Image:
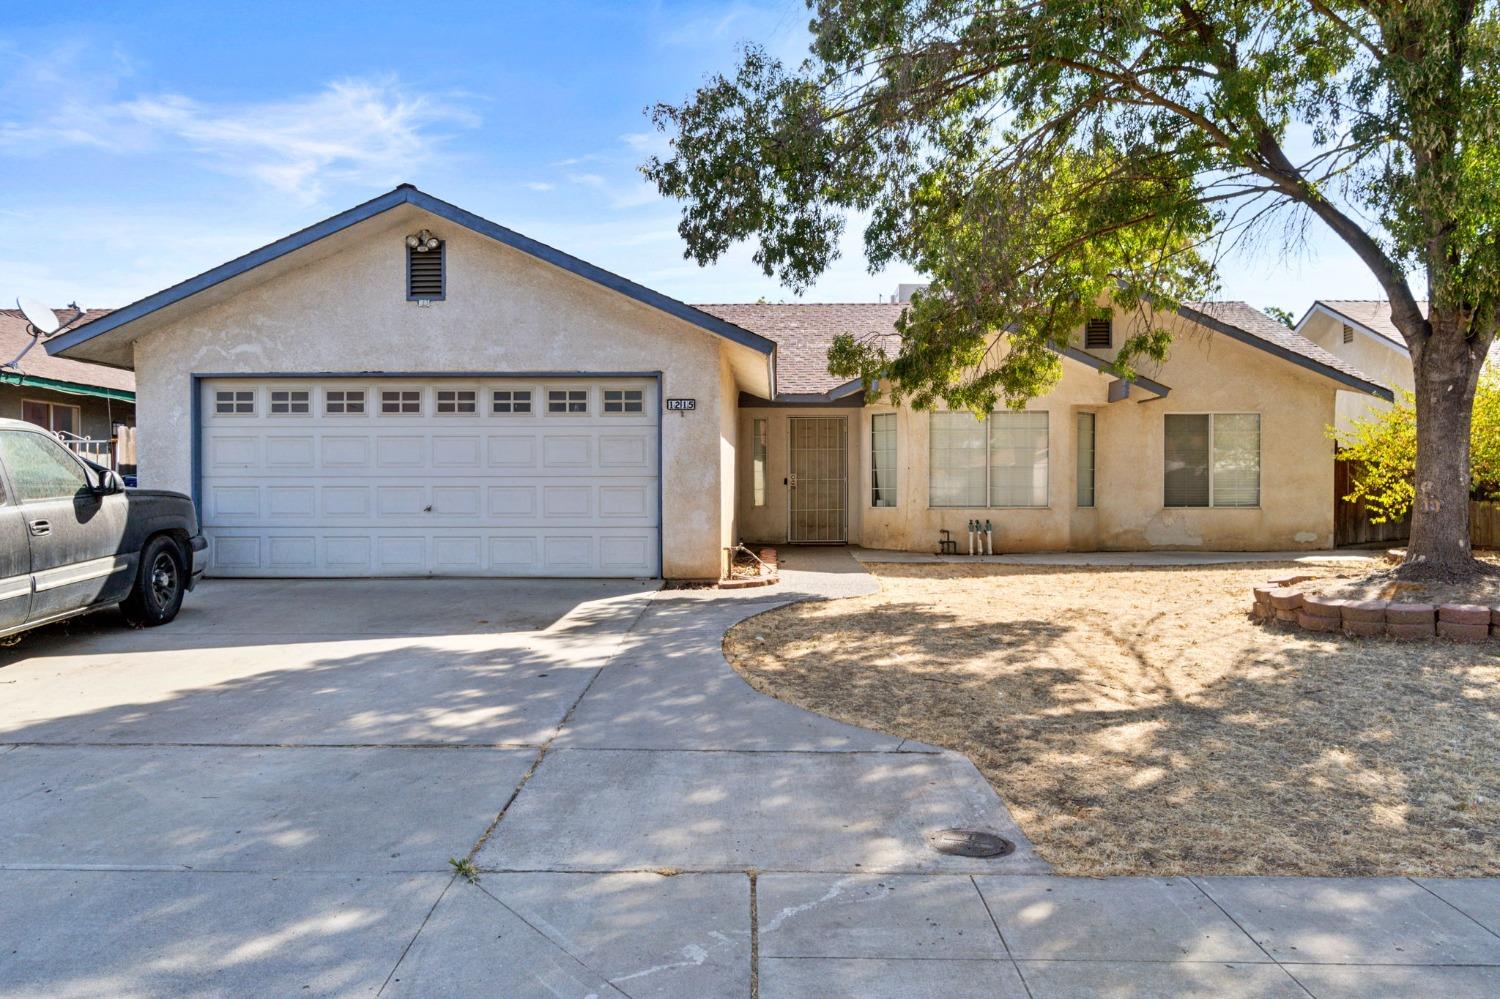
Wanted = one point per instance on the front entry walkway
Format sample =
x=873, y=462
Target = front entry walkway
x=264, y=798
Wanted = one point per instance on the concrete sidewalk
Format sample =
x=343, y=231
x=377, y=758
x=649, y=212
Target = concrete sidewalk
x=1152, y=559
x=269, y=808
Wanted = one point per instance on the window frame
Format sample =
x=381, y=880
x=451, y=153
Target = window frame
x=437, y=401
x=1260, y=455
x=568, y=401
x=623, y=402
x=988, y=451
x=877, y=490
x=530, y=400
x=760, y=456
x=421, y=409
x=271, y=393
x=236, y=402
x=1093, y=453
x=364, y=402
x=52, y=407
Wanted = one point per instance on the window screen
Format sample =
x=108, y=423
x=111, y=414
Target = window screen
x=956, y=474
x=1236, y=474
x=1018, y=459
x=883, y=459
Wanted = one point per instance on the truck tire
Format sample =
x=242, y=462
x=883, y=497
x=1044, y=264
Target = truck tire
x=160, y=584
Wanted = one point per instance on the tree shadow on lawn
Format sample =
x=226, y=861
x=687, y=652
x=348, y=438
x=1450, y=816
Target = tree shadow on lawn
x=1144, y=743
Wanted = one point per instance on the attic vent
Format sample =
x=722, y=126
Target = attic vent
x=1099, y=333
x=424, y=272
x=1348, y=333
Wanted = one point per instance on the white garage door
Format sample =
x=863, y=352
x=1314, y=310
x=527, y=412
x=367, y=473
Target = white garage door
x=417, y=477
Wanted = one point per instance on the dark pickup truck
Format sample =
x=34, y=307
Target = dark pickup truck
x=73, y=540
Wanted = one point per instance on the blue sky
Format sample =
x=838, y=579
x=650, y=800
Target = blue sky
x=142, y=143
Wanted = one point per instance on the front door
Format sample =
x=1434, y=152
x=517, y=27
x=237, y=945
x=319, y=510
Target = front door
x=75, y=535
x=818, y=483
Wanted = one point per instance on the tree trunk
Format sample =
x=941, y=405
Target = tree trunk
x=1447, y=373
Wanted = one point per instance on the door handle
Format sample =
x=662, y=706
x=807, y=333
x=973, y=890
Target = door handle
x=40, y=528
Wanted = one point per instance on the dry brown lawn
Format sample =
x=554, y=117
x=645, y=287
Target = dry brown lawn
x=1136, y=721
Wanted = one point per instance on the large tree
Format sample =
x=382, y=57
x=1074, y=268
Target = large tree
x=1033, y=157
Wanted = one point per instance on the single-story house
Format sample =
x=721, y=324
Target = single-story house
x=82, y=403
x=409, y=389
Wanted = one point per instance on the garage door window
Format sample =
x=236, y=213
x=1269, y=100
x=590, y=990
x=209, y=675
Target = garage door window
x=568, y=401
x=401, y=402
x=624, y=401
x=456, y=401
x=512, y=401
x=234, y=403
x=288, y=403
x=338, y=402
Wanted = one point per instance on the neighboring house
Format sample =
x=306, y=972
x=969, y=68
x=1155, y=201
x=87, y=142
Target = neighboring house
x=1360, y=331
x=343, y=404
x=80, y=402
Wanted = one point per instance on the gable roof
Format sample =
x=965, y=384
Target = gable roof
x=804, y=332
x=1247, y=324
x=43, y=370
x=1373, y=315
x=406, y=194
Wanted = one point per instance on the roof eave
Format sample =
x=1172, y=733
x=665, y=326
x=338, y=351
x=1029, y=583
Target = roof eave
x=1276, y=350
x=406, y=194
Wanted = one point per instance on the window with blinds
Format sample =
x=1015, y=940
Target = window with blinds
x=1212, y=460
x=997, y=462
x=883, y=459
x=425, y=277
x=1086, y=424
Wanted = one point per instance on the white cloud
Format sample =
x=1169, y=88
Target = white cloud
x=539, y=185
x=369, y=132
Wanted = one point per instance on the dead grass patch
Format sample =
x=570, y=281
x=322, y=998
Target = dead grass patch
x=1136, y=721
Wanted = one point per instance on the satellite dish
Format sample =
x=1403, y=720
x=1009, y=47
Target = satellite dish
x=41, y=318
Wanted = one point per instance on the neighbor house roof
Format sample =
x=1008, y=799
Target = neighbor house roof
x=406, y=194
x=61, y=374
x=1372, y=314
x=804, y=332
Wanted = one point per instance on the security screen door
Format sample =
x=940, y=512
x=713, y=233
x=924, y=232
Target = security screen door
x=818, y=486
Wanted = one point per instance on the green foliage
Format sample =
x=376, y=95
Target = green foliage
x=1385, y=450
x=1035, y=158
x=1281, y=315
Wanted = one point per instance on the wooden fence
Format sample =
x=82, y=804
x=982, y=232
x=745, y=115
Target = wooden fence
x=1351, y=521
x=1484, y=524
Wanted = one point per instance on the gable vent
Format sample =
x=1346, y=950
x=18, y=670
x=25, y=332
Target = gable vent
x=1348, y=333
x=1099, y=334
x=424, y=272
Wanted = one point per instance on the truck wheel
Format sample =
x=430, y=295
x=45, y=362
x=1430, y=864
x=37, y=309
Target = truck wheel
x=159, y=585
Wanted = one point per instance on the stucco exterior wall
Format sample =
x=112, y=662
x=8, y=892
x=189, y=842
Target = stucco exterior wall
x=505, y=311
x=1376, y=357
x=1207, y=373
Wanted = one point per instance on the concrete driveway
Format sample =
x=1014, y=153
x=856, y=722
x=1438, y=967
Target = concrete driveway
x=263, y=798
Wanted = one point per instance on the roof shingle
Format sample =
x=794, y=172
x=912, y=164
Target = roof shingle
x=40, y=364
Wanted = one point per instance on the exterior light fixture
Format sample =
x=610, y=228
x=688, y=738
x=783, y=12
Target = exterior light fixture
x=422, y=241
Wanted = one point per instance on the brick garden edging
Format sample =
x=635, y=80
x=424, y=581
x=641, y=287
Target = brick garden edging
x=1279, y=602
